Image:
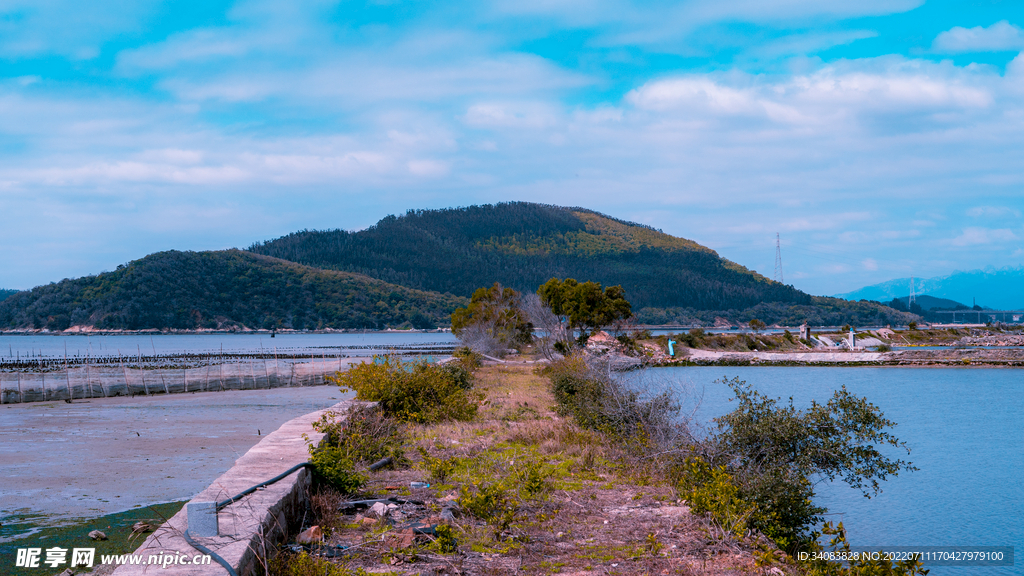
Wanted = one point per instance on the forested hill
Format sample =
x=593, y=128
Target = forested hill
x=5, y=293
x=522, y=245
x=224, y=289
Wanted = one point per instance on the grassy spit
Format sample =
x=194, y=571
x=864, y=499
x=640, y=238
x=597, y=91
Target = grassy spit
x=529, y=493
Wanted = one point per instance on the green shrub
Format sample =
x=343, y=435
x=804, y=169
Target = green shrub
x=362, y=438
x=773, y=452
x=440, y=469
x=418, y=392
x=305, y=565
x=445, y=543
x=492, y=502
x=710, y=490
x=861, y=565
x=470, y=360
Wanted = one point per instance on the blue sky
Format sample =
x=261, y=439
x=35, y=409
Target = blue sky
x=880, y=139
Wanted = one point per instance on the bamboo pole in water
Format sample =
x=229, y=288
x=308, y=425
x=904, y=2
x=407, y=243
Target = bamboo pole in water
x=127, y=384
x=142, y=371
x=21, y=395
x=67, y=373
x=222, y=367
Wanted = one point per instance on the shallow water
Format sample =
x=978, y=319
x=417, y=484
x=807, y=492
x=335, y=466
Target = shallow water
x=963, y=426
x=55, y=346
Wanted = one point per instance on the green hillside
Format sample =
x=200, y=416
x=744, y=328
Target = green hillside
x=5, y=293
x=522, y=245
x=189, y=290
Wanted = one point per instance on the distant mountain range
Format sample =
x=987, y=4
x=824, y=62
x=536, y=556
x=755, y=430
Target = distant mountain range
x=999, y=289
x=414, y=270
x=927, y=302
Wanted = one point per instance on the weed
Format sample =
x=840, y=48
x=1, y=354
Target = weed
x=364, y=437
x=445, y=543
x=440, y=468
x=420, y=392
x=305, y=565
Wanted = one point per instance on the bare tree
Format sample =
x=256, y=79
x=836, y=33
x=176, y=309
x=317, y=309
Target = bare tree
x=550, y=328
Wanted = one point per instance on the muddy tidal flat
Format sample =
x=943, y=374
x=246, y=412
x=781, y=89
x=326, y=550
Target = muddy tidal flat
x=63, y=461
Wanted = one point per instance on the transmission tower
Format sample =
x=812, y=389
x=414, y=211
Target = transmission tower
x=913, y=296
x=778, y=260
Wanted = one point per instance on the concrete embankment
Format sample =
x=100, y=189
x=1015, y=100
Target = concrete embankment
x=944, y=357
x=251, y=526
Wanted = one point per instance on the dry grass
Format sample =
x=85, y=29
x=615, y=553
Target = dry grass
x=597, y=512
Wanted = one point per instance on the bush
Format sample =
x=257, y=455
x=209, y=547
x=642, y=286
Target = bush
x=598, y=402
x=711, y=490
x=773, y=452
x=364, y=437
x=417, y=392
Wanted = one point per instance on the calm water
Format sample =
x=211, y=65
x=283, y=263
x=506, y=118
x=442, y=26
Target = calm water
x=82, y=345
x=963, y=425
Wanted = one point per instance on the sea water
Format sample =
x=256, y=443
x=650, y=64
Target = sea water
x=55, y=346
x=964, y=427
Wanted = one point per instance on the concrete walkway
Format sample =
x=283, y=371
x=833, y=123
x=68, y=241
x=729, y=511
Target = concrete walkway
x=252, y=525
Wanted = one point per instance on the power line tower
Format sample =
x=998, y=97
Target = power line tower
x=913, y=296
x=778, y=260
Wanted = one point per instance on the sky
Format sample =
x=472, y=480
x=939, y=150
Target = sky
x=879, y=139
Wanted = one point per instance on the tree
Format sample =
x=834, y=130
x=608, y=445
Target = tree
x=757, y=325
x=898, y=304
x=584, y=307
x=493, y=322
x=776, y=453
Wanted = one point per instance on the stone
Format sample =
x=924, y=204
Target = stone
x=447, y=515
x=140, y=527
x=402, y=539
x=310, y=535
x=379, y=510
x=367, y=521
x=67, y=572
x=202, y=518
x=97, y=535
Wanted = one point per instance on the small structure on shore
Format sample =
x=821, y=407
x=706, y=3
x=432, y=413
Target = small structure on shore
x=805, y=331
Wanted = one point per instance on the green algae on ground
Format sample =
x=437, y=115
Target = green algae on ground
x=26, y=531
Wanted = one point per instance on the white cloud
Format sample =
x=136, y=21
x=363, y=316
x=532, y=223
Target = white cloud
x=974, y=236
x=993, y=212
x=869, y=264
x=68, y=27
x=999, y=37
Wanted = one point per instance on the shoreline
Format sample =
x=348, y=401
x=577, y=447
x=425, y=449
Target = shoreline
x=951, y=358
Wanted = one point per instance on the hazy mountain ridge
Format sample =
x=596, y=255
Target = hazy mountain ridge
x=1000, y=289
x=223, y=289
